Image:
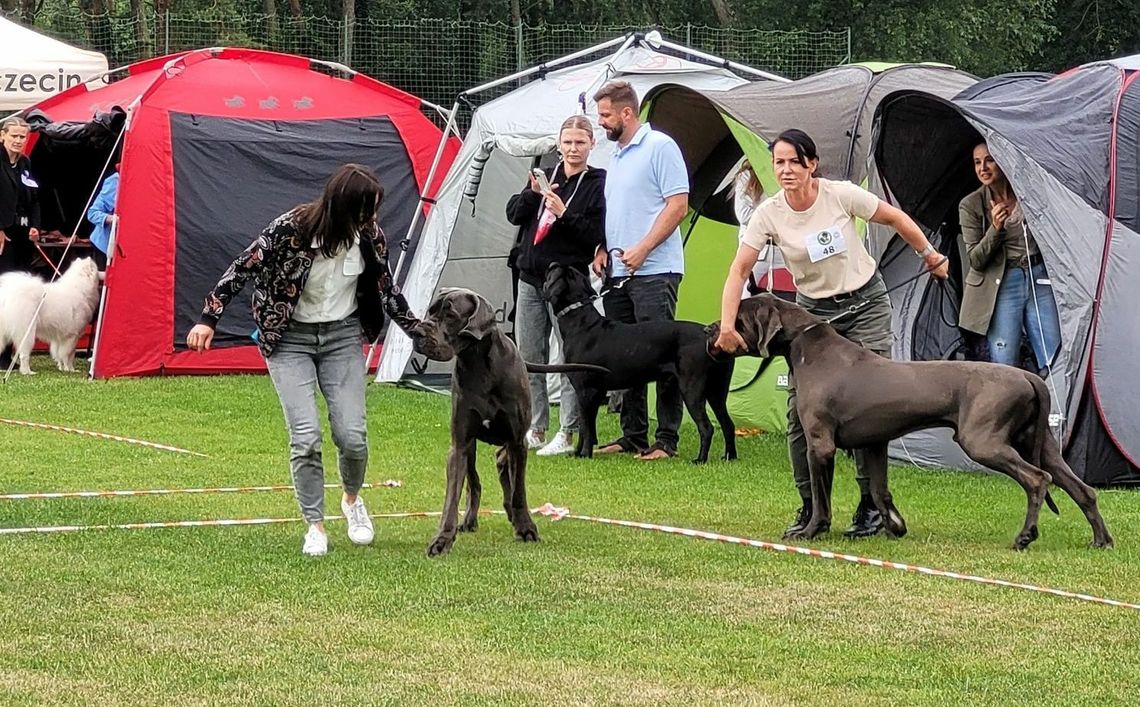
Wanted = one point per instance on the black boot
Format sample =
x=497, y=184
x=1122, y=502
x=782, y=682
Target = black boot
x=802, y=518
x=866, y=522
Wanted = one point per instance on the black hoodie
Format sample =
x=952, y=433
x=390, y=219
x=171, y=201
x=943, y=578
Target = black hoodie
x=573, y=238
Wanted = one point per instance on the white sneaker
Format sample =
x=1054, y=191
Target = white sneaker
x=316, y=543
x=359, y=524
x=534, y=439
x=562, y=443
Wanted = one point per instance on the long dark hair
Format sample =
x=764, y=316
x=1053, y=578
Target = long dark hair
x=347, y=206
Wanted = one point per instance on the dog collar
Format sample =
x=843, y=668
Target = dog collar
x=571, y=308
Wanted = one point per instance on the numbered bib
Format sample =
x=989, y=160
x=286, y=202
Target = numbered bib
x=825, y=244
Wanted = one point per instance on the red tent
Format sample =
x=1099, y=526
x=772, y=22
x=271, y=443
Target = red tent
x=217, y=143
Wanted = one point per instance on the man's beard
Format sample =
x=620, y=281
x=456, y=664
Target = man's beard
x=614, y=134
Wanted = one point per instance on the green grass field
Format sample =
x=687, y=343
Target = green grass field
x=591, y=615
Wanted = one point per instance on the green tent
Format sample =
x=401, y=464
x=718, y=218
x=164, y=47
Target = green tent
x=716, y=130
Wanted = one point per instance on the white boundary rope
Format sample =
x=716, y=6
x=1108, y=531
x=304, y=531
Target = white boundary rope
x=390, y=483
x=101, y=435
x=201, y=523
x=557, y=513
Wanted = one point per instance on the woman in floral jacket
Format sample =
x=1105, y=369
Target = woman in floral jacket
x=321, y=282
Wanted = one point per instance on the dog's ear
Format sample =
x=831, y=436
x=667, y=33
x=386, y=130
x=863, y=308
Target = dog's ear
x=482, y=318
x=768, y=329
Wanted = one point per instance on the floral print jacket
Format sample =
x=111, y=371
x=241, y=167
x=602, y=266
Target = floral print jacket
x=279, y=262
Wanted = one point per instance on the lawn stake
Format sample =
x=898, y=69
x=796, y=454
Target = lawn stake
x=556, y=513
x=100, y=435
x=390, y=483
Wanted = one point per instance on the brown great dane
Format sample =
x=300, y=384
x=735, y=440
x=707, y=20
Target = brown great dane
x=851, y=398
x=490, y=403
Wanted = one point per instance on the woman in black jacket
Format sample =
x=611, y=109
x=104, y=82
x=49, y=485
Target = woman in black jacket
x=565, y=224
x=19, y=207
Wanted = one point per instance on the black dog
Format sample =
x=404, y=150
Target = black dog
x=490, y=402
x=637, y=354
x=851, y=398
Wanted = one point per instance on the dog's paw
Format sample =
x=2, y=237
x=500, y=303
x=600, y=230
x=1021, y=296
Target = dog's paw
x=527, y=534
x=28, y=372
x=1022, y=541
x=700, y=460
x=1105, y=543
x=894, y=524
x=469, y=526
x=729, y=456
x=441, y=545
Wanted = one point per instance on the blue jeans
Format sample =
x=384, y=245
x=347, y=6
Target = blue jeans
x=534, y=321
x=328, y=356
x=1018, y=309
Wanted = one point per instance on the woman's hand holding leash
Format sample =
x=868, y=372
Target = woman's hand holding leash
x=601, y=261
x=937, y=264
x=729, y=341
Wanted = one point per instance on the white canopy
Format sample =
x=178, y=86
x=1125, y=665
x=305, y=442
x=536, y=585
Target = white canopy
x=33, y=67
x=466, y=240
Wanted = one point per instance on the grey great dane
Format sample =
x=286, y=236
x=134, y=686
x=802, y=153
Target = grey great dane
x=850, y=398
x=490, y=402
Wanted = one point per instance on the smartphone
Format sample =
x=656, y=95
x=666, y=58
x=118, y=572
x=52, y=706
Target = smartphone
x=540, y=177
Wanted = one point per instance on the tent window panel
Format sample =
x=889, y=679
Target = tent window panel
x=232, y=177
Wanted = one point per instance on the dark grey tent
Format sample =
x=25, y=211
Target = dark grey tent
x=1070, y=146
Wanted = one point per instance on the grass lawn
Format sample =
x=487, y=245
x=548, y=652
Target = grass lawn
x=591, y=615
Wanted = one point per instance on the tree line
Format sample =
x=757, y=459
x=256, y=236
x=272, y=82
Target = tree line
x=980, y=36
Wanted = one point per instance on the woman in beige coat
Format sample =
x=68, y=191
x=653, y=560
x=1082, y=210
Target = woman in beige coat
x=1008, y=290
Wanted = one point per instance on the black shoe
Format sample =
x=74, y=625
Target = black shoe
x=802, y=518
x=866, y=522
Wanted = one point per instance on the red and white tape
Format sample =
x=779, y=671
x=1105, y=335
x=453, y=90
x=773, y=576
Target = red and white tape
x=100, y=435
x=43, y=530
x=390, y=483
x=556, y=513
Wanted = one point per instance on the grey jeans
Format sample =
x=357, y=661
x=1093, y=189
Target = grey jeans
x=534, y=322
x=328, y=356
x=869, y=326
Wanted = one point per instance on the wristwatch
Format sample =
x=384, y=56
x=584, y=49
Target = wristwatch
x=929, y=250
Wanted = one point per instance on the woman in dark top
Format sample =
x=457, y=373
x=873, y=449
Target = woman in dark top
x=565, y=225
x=321, y=282
x=19, y=206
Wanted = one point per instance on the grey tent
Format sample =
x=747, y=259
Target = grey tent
x=716, y=129
x=1070, y=146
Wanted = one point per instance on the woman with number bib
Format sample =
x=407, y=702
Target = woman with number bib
x=812, y=221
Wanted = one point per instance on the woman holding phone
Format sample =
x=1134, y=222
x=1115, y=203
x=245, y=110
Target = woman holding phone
x=563, y=221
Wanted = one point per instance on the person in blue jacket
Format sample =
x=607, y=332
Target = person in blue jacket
x=102, y=215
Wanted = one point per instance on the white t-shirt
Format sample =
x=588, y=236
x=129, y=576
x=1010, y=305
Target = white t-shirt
x=330, y=290
x=820, y=246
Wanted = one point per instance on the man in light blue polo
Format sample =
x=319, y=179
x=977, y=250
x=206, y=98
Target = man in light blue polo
x=647, y=195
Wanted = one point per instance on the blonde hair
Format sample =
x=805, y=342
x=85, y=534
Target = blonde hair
x=579, y=122
x=754, y=188
x=13, y=122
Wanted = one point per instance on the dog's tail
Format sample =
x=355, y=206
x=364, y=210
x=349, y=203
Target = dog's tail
x=564, y=368
x=1041, y=428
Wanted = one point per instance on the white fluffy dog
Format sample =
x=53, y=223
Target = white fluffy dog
x=68, y=305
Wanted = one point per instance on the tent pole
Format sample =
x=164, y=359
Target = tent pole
x=427, y=186
x=548, y=65
x=722, y=62
x=111, y=240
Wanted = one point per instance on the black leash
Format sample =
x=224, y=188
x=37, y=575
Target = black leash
x=864, y=301
x=613, y=253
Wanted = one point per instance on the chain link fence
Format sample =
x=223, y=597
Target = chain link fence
x=433, y=59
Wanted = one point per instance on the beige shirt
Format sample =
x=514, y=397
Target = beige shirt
x=330, y=291
x=820, y=246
